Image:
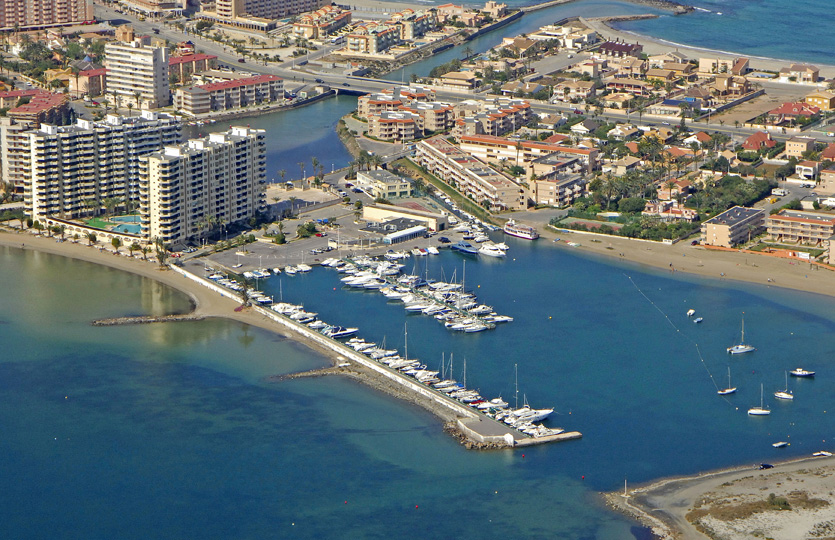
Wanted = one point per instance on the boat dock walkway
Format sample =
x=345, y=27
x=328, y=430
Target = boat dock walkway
x=477, y=427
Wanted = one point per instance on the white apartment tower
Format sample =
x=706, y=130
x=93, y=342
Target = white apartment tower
x=138, y=74
x=218, y=179
x=74, y=169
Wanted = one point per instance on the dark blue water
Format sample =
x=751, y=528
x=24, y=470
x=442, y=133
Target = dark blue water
x=761, y=28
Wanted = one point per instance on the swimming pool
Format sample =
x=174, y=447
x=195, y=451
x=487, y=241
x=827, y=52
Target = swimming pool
x=128, y=229
x=134, y=218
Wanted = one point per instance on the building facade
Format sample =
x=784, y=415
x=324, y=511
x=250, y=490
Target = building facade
x=470, y=176
x=31, y=14
x=798, y=227
x=733, y=226
x=384, y=185
x=138, y=74
x=216, y=179
x=72, y=170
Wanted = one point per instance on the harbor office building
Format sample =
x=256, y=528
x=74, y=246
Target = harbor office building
x=384, y=185
x=733, y=226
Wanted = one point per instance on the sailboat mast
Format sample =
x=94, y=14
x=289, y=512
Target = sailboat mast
x=516, y=371
x=406, y=341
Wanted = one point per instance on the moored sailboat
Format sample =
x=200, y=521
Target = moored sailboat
x=761, y=410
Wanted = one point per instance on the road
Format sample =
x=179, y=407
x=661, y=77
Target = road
x=286, y=71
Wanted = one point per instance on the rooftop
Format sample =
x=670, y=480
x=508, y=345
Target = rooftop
x=735, y=216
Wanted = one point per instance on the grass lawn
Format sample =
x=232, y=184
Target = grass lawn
x=99, y=223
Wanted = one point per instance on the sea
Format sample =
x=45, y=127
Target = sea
x=178, y=431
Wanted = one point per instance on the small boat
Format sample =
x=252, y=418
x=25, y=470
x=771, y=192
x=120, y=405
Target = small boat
x=781, y=444
x=465, y=247
x=742, y=347
x=822, y=453
x=800, y=372
x=785, y=394
x=730, y=389
x=691, y=312
x=761, y=410
x=697, y=320
x=491, y=251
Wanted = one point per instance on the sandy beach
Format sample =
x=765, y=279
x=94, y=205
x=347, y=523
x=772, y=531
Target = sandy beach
x=737, y=504
x=658, y=46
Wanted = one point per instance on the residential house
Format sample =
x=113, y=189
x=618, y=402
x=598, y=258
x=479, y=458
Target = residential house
x=760, y=140
x=700, y=138
x=457, y=80
x=631, y=86
x=797, y=146
x=791, y=112
x=682, y=70
x=661, y=75
x=513, y=88
x=573, y=90
x=629, y=67
x=495, y=10
x=586, y=127
x=624, y=165
x=799, y=73
x=730, y=86
x=823, y=100
x=807, y=170
x=715, y=66
x=668, y=192
x=658, y=60
x=619, y=49
x=669, y=211
x=826, y=185
x=828, y=153
x=623, y=132
x=617, y=100
x=551, y=121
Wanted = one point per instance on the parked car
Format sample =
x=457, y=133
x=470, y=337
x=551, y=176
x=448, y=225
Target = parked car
x=319, y=80
x=444, y=240
x=694, y=243
x=345, y=84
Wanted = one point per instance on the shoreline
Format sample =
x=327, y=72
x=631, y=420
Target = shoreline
x=662, y=505
x=656, y=45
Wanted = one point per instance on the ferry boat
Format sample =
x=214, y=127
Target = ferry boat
x=521, y=231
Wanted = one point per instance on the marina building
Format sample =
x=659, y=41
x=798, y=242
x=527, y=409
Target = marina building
x=382, y=184
x=138, y=74
x=219, y=179
x=798, y=227
x=733, y=226
x=387, y=212
x=470, y=176
x=72, y=170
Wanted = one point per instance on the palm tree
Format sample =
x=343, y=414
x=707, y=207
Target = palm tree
x=161, y=252
x=134, y=247
x=136, y=95
x=145, y=250
x=91, y=238
x=117, y=243
x=130, y=109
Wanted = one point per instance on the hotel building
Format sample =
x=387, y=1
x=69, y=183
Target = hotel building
x=184, y=187
x=32, y=14
x=798, y=227
x=73, y=169
x=138, y=74
x=732, y=226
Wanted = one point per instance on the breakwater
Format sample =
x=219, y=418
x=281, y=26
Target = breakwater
x=117, y=321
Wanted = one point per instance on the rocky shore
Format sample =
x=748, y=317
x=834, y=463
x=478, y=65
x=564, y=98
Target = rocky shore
x=145, y=320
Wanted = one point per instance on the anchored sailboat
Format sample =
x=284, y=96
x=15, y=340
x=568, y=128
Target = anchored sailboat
x=730, y=389
x=742, y=347
x=761, y=410
x=785, y=394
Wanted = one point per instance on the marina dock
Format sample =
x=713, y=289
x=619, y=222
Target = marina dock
x=478, y=428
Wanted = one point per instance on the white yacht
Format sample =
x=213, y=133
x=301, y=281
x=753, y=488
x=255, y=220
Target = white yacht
x=490, y=250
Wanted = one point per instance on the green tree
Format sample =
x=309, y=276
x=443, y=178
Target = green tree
x=117, y=243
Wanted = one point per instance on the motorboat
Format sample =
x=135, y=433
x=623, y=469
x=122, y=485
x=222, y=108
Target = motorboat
x=465, y=247
x=822, y=453
x=691, y=312
x=490, y=250
x=781, y=444
x=742, y=347
x=800, y=372
x=337, y=332
x=697, y=320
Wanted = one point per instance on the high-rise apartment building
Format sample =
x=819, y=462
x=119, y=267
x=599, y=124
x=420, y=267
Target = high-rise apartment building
x=138, y=74
x=216, y=180
x=264, y=9
x=72, y=170
x=26, y=14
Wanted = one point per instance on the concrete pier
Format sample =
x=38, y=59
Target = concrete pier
x=482, y=430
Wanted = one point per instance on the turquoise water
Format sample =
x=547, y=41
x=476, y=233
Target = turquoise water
x=172, y=430
x=128, y=228
x=133, y=218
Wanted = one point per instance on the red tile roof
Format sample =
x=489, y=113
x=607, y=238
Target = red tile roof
x=174, y=60
x=237, y=83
